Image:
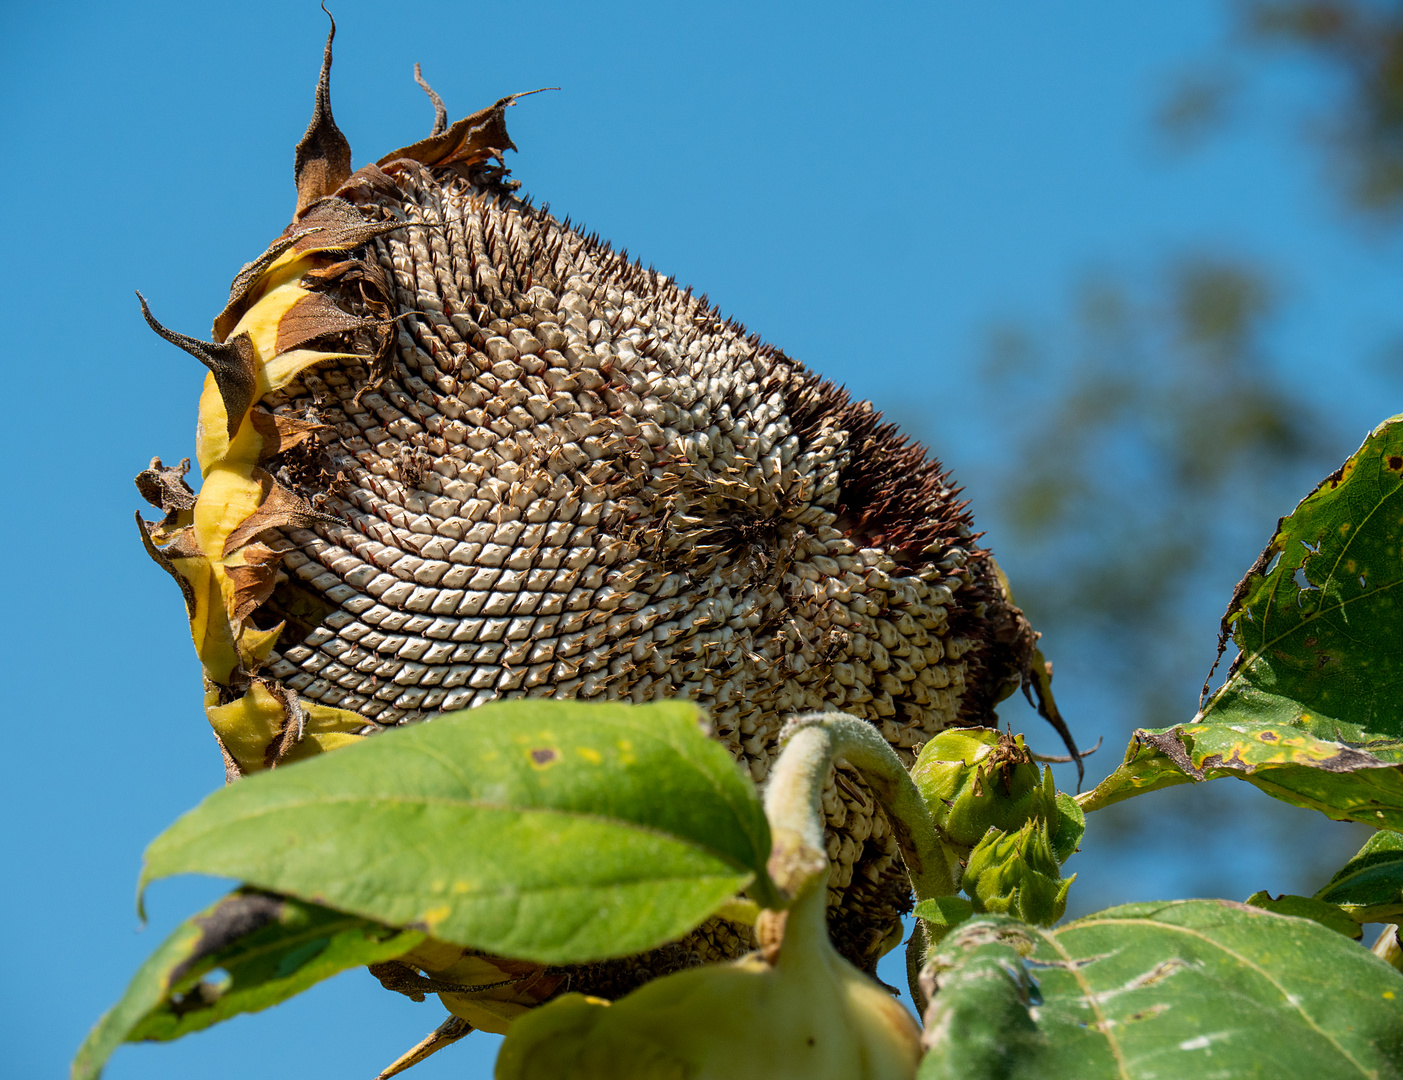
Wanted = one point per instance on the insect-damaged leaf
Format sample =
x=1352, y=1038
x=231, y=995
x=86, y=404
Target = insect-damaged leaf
x=269, y=948
x=552, y=831
x=1174, y=991
x=1312, y=709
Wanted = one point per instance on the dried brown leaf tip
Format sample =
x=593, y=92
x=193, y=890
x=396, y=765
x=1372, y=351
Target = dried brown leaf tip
x=440, y=111
x=294, y=724
x=281, y=433
x=166, y=489
x=470, y=141
x=161, y=559
x=315, y=316
x=254, y=581
x=279, y=509
x=333, y=224
x=232, y=363
x=322, y=162
x=243, y=283
x=446, y=1034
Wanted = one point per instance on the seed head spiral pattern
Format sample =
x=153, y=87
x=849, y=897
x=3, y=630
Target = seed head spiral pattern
x=475, y=453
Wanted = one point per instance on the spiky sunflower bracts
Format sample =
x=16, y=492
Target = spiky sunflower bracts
x=455, y=450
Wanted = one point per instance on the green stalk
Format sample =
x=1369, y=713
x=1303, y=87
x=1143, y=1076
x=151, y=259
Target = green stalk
x=793, y=802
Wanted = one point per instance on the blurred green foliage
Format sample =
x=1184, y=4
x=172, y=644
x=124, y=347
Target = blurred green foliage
x=1157, y=441
x=1362, y=43
x=1357, y=45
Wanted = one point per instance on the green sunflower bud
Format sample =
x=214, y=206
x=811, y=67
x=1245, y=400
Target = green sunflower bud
x=1016, y=873
x=977, y=779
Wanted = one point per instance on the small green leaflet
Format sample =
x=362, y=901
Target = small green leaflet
x=943, y=912
x=1308, y=907
x=270, y=948
x=1069, y=827
x=554, y=831
x=1370, y=886
x=1312, y=709
x=1169, y=991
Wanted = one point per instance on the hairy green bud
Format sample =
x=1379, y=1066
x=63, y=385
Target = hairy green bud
x=1016, y=873
x=977, y=779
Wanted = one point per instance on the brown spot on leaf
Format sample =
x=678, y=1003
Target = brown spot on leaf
x=231, y=363
x=1395, y=463
x=1171, y=744
x=322, y=162
x=236, y=917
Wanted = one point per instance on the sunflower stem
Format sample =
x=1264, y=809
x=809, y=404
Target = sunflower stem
x=812, y=744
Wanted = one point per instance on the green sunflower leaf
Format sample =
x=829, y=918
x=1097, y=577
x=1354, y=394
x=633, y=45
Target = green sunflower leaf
x=554, y=831
x=1161, y=991
x=1311, y=711
x=268, y=947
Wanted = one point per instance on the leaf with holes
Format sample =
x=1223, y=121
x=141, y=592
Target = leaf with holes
x=270, y=948
x=1312, y=708
x=1170, y=991
x=554, y=831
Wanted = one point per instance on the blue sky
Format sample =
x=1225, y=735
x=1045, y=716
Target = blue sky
x=869, y=187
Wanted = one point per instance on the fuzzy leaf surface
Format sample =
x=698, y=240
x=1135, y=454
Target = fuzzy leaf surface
x=1312, y=709
x=269, y=947
x=1170, y=991
x=554, y=831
